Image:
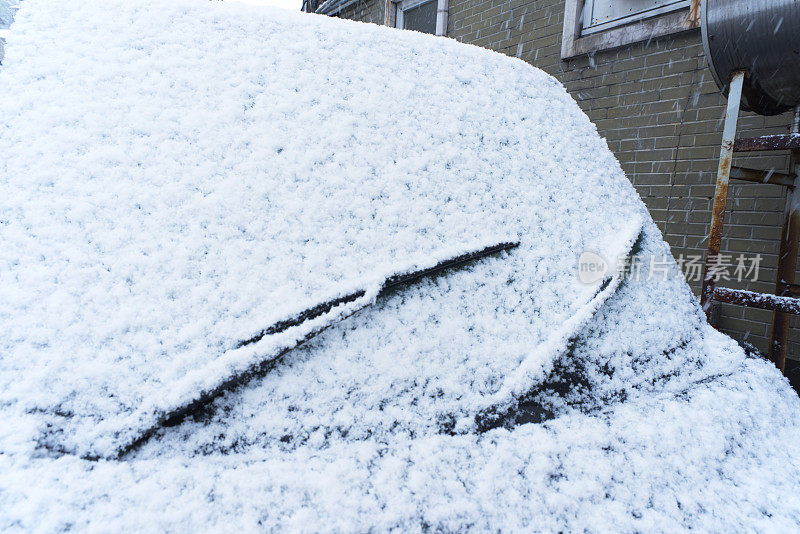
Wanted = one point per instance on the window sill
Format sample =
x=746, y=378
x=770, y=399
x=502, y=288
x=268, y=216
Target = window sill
x=573, y=45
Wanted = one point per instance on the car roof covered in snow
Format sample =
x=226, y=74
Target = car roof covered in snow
x=178, y=176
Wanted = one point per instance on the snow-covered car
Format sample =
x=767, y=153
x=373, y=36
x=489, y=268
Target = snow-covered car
x=263, y=270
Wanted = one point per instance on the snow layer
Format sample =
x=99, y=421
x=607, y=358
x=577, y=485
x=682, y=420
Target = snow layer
x=721, y=457
x=209, y=170
x=179, y=175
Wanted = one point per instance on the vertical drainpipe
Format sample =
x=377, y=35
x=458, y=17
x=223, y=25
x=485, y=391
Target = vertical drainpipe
x=388, y=13
x=721, y=193
x=441, y=16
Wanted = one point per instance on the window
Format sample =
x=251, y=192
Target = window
x=599, y=15
x=593, y=25
x=419, y=15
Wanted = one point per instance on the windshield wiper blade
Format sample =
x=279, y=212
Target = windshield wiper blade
x=177, y=415
x=390, y=283
x=504, y=406
x=303, y=316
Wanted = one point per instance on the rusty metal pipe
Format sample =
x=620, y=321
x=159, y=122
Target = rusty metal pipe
x=763, y=301
x=767, y=142
x=721, y=190
x=787, y=257
x=762, y=177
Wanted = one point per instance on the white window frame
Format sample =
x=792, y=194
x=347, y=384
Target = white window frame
x=628, y=30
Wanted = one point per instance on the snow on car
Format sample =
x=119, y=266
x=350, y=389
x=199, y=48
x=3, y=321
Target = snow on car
x=266, y=269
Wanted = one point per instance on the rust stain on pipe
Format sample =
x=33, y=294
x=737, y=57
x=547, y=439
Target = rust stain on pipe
x=720, y=199
x=721, y=191
x=715, y=233
x=694, y=14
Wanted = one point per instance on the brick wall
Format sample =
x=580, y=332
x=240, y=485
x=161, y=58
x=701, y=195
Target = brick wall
x=657, y=106
x=365, y=11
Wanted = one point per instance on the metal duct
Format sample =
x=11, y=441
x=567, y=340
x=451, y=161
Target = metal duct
x=761, y=37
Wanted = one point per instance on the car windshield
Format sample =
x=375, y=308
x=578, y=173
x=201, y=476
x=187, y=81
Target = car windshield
x=428, y=291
